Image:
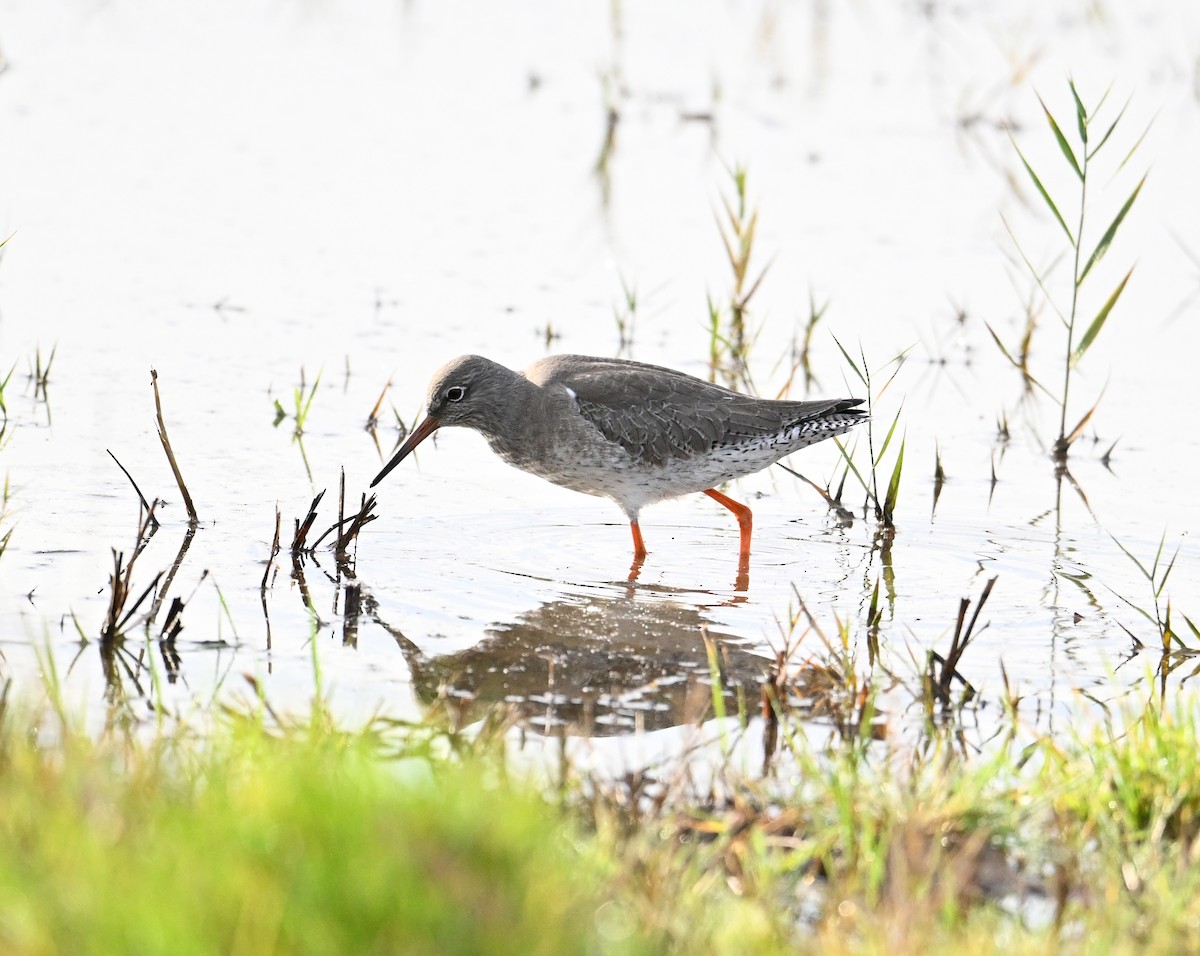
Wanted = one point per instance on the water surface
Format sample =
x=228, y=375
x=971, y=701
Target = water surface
x=245, y=195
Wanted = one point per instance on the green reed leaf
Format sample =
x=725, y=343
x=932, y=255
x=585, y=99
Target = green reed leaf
x=1134, y=148
x=714, y=674
x=1062, y=140
x=1132, y=557
x=1194, y=629
x=873, y=612
x=1081, y=117
x=1000, y=345
x=891, y=431
x=1045, y=195
x=1109, y=131
x=1098, y=322
x=849, y=361
x=1111, y=231
x=1077, y=431
x=852, y=468
x=893, y=492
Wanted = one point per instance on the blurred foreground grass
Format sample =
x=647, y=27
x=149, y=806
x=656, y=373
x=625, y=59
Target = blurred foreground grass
x=257, y=838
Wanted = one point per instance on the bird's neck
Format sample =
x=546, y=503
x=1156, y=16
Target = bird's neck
x=506, y=420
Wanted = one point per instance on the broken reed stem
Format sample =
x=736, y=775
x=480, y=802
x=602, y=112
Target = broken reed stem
x=121, y=582
x=958, y=646
x=119, y=585
x=174, y=622
x=274, y=552
x=175, y=566
x=302, y=529
x=166, y=443
x=356, y=523
x=339, y=551
x=136, y=489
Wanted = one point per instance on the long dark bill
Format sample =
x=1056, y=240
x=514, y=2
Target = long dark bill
x=415, y=437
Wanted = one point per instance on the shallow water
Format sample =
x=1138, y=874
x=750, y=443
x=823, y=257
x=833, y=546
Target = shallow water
x=235, y=194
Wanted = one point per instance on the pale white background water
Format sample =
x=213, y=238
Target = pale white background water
x=233, y=192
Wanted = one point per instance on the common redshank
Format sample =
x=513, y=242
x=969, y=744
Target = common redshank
x=628, y=431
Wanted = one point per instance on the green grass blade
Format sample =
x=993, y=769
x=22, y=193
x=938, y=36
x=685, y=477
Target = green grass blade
x=1162, y=543
x=714, y=675
x=893, y=492
x=1111, y=231
x=1000, y=345
x=45, y=376
x=1080, y=113
x=849, y=361
x=1141, y=610
x=1169, y=635
x=1039, y=276
x=884, y=447
x=3, y=385
x=1017, y=365
x=1109, y=131
x=898, y=361
x=1195, y=631
x=1167, y=573
x=1134, y=148
x=1078, y=430
x=1098, y=322
x=1045, y=195
x=1062, y=140
x=853, y=468
x=1130, y=555
x=303, y=405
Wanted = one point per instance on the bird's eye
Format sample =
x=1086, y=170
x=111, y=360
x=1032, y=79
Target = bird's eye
x=456, y=393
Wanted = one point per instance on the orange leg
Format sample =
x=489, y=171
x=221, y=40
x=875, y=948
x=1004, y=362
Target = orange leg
x=639, y=546
x=743, y=515
x=639, y=553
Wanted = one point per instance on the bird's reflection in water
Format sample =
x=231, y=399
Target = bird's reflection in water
x=592, y=666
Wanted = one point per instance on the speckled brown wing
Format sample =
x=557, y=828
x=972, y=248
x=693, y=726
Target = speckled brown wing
x=658, y=414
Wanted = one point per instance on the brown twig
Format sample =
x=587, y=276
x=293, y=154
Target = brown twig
x=175, y=565
x=166, y=443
